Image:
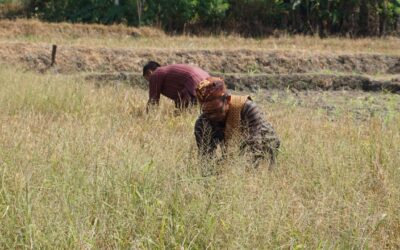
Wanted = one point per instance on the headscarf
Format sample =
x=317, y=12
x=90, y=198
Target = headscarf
x=210, y=89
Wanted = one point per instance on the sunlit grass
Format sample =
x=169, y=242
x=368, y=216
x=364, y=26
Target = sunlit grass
x=299, y=44
x=84, y=167
x=119, y=36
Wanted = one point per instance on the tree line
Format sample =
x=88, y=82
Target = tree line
x=353, y=18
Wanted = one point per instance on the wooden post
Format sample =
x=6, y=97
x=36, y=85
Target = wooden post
x=53, y=55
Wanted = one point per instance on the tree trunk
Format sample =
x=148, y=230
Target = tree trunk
x=374, y=18
x=363, y=22
x=383, y=19
x=139, y=5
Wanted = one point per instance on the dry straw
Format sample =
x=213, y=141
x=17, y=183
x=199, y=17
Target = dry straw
x=84, y=167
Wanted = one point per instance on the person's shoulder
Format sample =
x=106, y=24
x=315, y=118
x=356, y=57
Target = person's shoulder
x=250, y=107
x=201, y=122
x=201, y=118
x=248, y=98
x=249, y=102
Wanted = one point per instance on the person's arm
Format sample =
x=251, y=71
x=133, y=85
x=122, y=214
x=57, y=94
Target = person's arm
x=155, y=87
x=261, y=137
x=205, y=138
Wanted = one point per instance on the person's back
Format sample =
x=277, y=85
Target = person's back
x=177, y=82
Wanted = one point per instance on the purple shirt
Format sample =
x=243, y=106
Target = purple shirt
x=176, y=81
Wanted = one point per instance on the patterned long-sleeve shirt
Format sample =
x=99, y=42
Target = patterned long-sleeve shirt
x=259, y=137
x=176, y=81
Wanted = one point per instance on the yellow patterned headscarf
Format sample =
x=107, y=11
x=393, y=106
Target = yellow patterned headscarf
x=210, y=89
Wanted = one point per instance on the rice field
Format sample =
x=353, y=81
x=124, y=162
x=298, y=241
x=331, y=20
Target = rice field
x=83, y=167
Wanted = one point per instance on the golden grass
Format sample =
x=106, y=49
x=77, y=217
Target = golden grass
x=119, y=36
x=32, y=27
x=83, y=167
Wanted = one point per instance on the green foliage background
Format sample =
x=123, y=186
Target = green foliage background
x=248, y=17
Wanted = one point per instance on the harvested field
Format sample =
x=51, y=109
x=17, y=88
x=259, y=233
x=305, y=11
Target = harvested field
x=253, y=83
x=72, y=59
x=298, y=62
x=254, y=69
x=150, y=38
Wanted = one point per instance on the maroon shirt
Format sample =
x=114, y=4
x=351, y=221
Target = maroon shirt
x=176, y=81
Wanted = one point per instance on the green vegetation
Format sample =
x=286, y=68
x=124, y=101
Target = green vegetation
x=83, y=167
x=255, y=17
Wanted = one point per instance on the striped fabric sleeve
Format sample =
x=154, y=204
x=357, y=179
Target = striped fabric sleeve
x=155, y=87
x=203, y=133
x=260, y=136
x=207, y=137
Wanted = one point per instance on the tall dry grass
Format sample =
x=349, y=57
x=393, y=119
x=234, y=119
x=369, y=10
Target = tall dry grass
x=84, y=167
x=119, y=36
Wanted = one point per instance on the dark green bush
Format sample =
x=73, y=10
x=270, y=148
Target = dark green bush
x=248, y=17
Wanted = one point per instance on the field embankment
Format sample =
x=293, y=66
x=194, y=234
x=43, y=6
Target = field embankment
x=72, y=59
x=244, y=69
x=283, y=62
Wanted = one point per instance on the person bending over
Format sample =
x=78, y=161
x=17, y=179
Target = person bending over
x=175, y=81
x=227, y=120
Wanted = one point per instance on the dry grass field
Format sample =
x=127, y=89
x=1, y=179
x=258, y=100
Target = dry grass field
x=117, y=36
x=83, y=167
